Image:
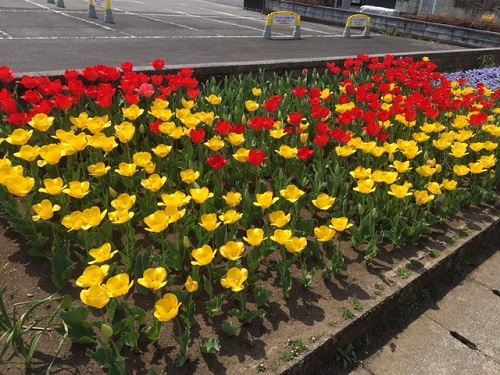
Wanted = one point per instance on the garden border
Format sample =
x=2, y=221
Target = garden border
x=324, y=349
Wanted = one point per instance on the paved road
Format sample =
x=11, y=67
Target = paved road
x=37, y=37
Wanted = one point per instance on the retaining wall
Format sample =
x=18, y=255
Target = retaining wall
x=459, y=36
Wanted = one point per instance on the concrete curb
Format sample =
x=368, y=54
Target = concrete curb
x=325, y=349
x=449, y=60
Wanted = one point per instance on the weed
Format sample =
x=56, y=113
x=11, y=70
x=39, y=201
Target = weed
x=392, y=31
x=261, y=367
x=348, y=314
x=435, y=254
x=414, y=265
x=347, y=356
x=356, y=305
x=404, y=272
x=379, y=289
x=297, y=347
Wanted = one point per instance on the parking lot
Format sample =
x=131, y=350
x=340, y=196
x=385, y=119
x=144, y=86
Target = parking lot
x=38, y=36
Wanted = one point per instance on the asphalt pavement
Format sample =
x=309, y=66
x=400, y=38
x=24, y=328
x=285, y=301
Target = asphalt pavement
x=36, y=36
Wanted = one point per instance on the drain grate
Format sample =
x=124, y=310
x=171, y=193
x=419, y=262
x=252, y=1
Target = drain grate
x=463, y=340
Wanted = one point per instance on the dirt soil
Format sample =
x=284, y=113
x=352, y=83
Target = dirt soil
x=309, y=315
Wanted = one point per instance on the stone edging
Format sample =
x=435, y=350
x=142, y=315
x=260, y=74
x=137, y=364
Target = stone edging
x=325, y=348
x=459, y=36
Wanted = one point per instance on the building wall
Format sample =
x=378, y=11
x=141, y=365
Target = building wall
x=454, y=8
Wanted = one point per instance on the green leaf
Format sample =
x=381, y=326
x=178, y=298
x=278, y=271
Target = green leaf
x=228, y=328
x=62, y=267
x=306, y=227
x=261, y=296
x=210, y=345
x=79, y=329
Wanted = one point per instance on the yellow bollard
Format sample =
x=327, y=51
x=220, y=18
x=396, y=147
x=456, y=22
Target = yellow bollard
x=108, y=16
x=92, y=12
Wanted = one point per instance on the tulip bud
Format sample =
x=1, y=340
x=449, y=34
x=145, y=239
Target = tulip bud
x=439, y=168
x=243, y=119
x=107, y=331
x=112, y=192
x=391, y=157
x=142, y=129
x=186, y=243
x=304, y=137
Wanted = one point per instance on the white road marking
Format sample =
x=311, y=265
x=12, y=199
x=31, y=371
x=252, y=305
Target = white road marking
x=66, y=14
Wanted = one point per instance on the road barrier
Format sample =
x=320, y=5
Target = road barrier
x=357, y=20
x=282, y=19
x=60, y=3
x=105, y=4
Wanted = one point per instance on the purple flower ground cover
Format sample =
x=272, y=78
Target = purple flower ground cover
x=489, y=76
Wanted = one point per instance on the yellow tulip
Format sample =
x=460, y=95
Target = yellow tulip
x=191, y=285
x=95, y=296
x=365, y=186
x=476, y=168
x=345, y=151
x=92, y=217
x=176, y=199
x=279, y=219
x=295, y=245
x=323, y=201
x=120, y=216
x=213, y=99
x=102, y=254
x=98, y=124
x=19, y=137
x=251, y=106
x=19, y=185
x=461, y=170
x=241, y=155
x=153, y=278
x=200, y=195
x=51, y=154
x=401, y=166
x=255, y=236
x=235, y=139
x=92, y=275
x=234, y=279
x=41, y=122
x=157, y=222
x=265, y=200
x=98, y=170
x=209, y=222
x=167, y=308
x=132, y=113
x=256, y=91
x=45, y=210
x=449, y=185
x=434, y=188
x=459, y=149
x=77, y=189
x=230, y=217
x=162, y=150
x=119, y=285
x=422, y=197
x=400, y=191
x=426, y=170
x=203, y=255
x=292, y=193
x=324, y=233
x=215, y=143
x=189, y=176
x=281, y=236
x=287, y=152
x=232, y=250
x=125, y=131
x=361, y=173
x=81, y=121
x=100, y=141
x=126, y=169
x=340, y=224
x=232, y=199
x=154, y=182
x=73, y=221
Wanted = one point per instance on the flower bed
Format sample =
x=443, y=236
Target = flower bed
x=199, y=198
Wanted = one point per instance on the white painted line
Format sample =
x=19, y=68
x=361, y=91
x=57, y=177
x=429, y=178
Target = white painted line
x=14, y=38
x=62, y=13
x=157, y=20
x=4, y=34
